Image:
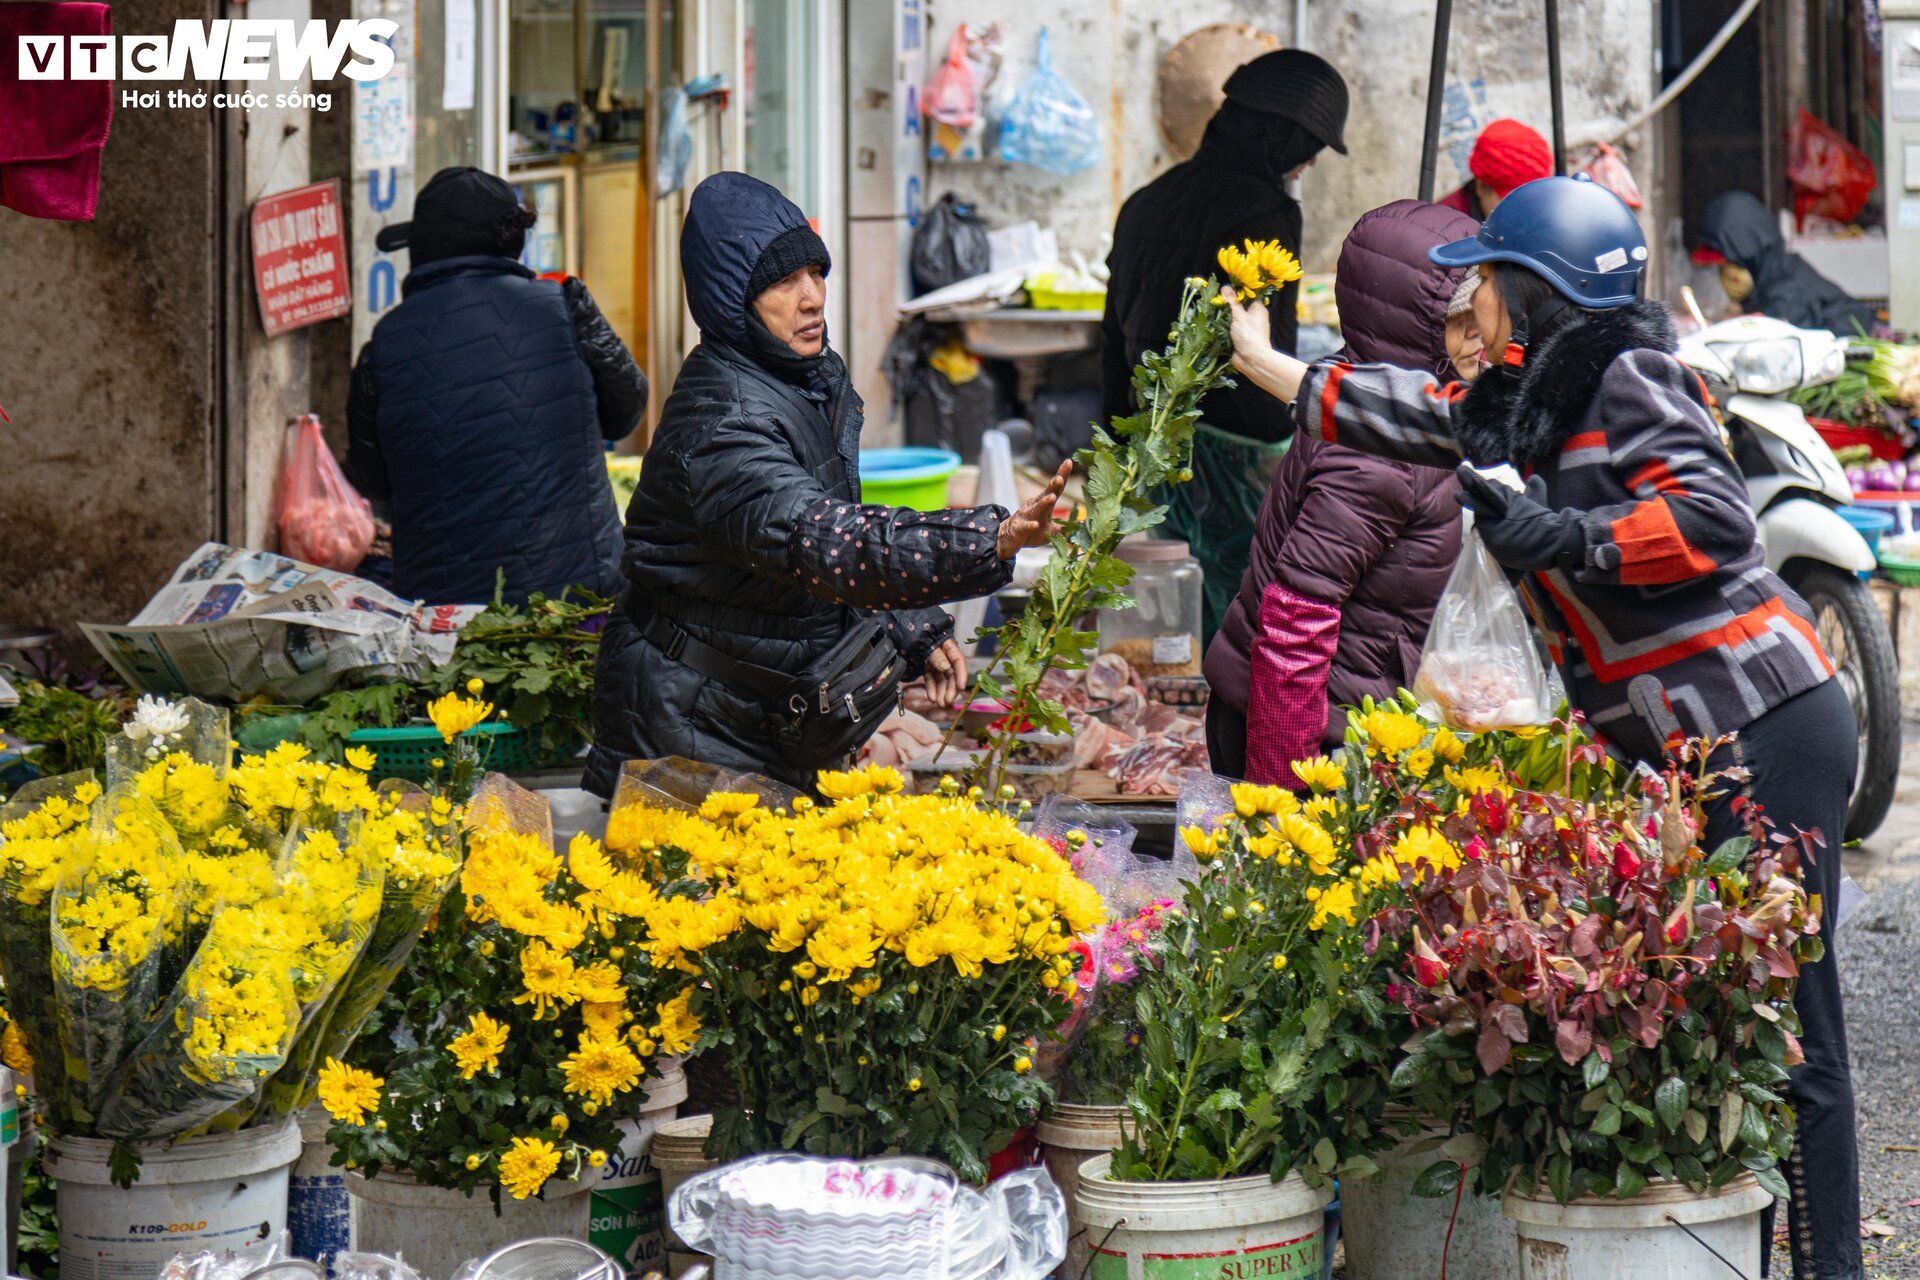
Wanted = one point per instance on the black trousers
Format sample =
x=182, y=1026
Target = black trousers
x=1802, y=755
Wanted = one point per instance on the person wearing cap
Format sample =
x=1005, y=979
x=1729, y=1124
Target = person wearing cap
x=750, y=560
x=1638, y=556
x=1506, y=155
x=478, y=409
x=1281, y=111
x=1350, y=550
x=1739, y=236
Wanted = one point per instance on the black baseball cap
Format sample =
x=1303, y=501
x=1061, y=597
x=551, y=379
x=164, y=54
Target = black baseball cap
x=457, y=213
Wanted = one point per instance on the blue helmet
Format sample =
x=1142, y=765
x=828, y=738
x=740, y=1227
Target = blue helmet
x=1578, y=236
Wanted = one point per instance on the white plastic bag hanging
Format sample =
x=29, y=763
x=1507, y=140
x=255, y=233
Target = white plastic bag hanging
x=1048, y=124
x=1479, y=669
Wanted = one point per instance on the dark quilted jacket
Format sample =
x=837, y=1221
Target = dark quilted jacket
x=746, y=531
x=477, y=417
x=1372, y=537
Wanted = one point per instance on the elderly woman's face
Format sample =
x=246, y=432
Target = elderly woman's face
x=795, y=311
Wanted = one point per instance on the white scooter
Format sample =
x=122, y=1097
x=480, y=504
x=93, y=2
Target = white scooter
x=1795, y=484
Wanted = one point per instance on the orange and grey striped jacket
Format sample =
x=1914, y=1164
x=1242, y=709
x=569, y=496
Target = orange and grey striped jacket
x=1671, y=625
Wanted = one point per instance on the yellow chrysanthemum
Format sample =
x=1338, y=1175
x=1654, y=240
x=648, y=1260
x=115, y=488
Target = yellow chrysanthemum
x=1278, y=265
x=454, y=715
x=361, y=758
x=549, y=978
x=678, y=1028
x=872, y=780
x=1391, y=732
x=1320, y=773
x=601, y=1067
x=527, y=1165
x=1419, y=763
x=349, y=1094
x=1242, y=268
x=1447, y=745
x=478, y=1048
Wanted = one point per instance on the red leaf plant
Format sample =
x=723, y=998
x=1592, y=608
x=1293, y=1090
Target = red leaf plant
x=1600, y=1001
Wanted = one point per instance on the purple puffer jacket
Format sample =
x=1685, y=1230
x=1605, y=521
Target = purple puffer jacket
x=1350, y=551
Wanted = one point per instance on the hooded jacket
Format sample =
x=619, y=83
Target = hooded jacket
x=1669, y=625
x=1350, y=551
x=746, y=532
x=1233, y=189
x=476, y=415
x=1785, y=286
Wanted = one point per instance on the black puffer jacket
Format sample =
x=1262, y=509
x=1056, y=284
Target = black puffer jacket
x=476, y=417
x=746, y=531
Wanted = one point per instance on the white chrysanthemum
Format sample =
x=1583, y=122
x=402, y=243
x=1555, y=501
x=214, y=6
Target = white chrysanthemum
x=156, y=718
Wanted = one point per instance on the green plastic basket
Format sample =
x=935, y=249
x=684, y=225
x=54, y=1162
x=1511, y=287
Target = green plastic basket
x=1904, y=572
x=409, y=752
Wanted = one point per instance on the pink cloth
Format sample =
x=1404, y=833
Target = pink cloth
x=51, y=131
x=1287, y=704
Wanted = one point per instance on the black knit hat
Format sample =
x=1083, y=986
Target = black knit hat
x=461, y=212
x=791, y=250
x=1297, y=86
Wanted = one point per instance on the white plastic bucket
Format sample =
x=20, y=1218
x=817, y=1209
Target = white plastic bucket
x=319, y=1211
x=437, y=1228
x=224, y=1191
x=1594, y=1239
x=1071, y=1136
x=1391, y=1233
x=1201, y=1230
x=628, y=1209
x=678, y=1153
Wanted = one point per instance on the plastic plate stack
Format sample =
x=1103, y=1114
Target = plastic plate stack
x=806, y=1218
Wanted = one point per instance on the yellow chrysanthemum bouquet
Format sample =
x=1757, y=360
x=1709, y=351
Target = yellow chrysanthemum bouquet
x=181, y=944
x=529, y=1021
x=874, y=971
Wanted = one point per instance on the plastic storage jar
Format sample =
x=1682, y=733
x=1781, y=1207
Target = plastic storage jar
x=1161, y=636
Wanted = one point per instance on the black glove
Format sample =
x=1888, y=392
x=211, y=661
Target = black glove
x=1521, y=531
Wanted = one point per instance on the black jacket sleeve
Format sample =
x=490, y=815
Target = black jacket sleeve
x=756, y=506
x=917, y=633
x=1116, y=370
x=366, y=465
x=618, y=385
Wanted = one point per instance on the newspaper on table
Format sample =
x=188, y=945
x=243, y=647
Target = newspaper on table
x=233, y=624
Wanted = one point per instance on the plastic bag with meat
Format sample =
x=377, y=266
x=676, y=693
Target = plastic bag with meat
x=902, y=738
x=1480, y=669
x=322, y=519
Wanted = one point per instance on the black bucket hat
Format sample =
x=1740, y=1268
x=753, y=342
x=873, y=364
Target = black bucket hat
x=1298, y=86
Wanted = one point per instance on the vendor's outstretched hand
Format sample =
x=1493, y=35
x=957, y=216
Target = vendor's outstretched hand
x=1032, y=524
x=1252, y=329
x=946, y=675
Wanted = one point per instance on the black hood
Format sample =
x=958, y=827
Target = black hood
x=732, y=219
x=1527, y=418
x=1740, y=228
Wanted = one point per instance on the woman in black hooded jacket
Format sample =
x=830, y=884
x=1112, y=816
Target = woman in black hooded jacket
x=748, y=554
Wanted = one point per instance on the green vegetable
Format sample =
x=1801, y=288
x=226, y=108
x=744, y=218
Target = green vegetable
x=71, y=728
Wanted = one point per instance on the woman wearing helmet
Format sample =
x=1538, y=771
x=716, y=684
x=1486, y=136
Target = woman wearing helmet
x=1637, y=552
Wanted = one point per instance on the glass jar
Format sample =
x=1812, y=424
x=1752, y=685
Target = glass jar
x=1160, y=636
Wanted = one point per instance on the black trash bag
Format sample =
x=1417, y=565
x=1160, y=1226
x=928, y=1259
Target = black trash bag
x=949, y=245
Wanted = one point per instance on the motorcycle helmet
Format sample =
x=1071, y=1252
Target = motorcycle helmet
x=1571, y=232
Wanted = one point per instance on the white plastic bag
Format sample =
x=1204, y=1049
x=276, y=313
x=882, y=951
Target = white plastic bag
x=1479, y=669
x=1048, y=124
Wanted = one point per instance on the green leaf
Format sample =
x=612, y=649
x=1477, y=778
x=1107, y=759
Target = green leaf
x=1629, y=1182
x=1776, y=1186
x=1594, y=1070
x=1437, y=1179
x=1607, y=1123
x=1732, y=1108
x=1325, y=1158
x=1670, y=1102
x=1695, y=1123
x=1727, y=856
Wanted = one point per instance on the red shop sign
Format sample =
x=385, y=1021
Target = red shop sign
x=300, y=258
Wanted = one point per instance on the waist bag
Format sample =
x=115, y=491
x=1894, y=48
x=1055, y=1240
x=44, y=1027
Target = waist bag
x=823, y=712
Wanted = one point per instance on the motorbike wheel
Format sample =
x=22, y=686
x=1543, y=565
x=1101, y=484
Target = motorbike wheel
x=1854, y=633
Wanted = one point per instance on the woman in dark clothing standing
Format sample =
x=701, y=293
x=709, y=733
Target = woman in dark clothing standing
x=1282, y=110
x=1351, y=550
x=749, y=558
x=1638, y=554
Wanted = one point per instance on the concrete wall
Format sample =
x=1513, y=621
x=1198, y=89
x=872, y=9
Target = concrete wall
x=109, y=366
x=1110, y=51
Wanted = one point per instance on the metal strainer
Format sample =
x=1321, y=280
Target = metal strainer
x=547, y=1258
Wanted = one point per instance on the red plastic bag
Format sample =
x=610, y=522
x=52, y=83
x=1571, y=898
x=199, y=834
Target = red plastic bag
x=1606, y=167
x=953, y=96
x=1831, y=177
x=323, y=520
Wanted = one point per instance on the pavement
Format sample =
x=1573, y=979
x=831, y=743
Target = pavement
x=1880, y=977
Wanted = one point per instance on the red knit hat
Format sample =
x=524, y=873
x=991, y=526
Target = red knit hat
x=1508, y=154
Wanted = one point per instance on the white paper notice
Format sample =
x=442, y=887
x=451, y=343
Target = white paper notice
x=457, y=95
x=382, y=123
x=1909, y=216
